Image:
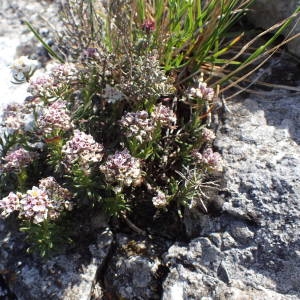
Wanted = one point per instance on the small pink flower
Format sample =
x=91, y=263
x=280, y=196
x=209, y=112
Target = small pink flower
x=164, y=115
x=122, y=168
x=160, y=200
x=82, y=148
x=54, y=117
x=208, y=135
x=202, y=92
x=211, y=159
x=148, y=26
x=90, y=53
x=18, y=159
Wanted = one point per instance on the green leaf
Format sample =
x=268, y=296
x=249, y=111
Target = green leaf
x=47, y=47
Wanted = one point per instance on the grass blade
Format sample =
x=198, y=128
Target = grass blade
x=46, y=46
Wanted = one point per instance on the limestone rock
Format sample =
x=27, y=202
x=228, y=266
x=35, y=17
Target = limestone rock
x=259, y=141
x=134, y=270
x=65, y=276
x=252, y=249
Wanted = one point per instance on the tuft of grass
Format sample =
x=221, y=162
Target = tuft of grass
x=195, y=36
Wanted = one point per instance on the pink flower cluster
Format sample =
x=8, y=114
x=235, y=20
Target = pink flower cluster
x=82, y=148
x=123, y=169
x=13, y=117
x=208, y=135
x=41, y=86
x=160, y=200
x=138, y=125
x=164, y=116
x=46, y=84
x=10, y=204
x=17, y=159
x=63, y=73
x=54, y=117
x=54, y=190
x=38, y=204
x=202, y=92
x=212, y=159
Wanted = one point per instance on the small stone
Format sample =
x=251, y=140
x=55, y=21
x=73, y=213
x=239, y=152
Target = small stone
x=216, y=239
x=241, y=233
x=228, y=241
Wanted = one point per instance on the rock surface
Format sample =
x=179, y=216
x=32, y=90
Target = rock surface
x=265, y=13
x=251, y=251
x=66, y=276
x=133, y=271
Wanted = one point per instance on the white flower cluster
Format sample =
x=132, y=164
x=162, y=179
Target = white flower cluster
x=123, y=169
x=38, y=204
x=201, y=91
x=54, y=117
x=23, y=67
x=160, y=200
x=82, y=148
x=138, y=125
x=210, y=158
x=17, y=159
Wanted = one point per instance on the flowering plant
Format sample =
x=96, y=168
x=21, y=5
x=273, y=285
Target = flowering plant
x=23, y=68
x=122, y=122
x=109, y=131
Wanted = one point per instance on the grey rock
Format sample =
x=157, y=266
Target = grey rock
x=264, y=197
x=228, y=241
x=199, y=255
x=199, y=224
x=16, y=40
x=69, y=276
x=132, y=271
x=259, y=228
x=216, y=239
x=251, y=251
x=241, y=232
x=189, y=280
x=277, y=10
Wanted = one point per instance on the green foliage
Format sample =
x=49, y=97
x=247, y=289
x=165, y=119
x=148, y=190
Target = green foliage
x=139, y=57
x=116, y=205
x=197, y=36
x=45, y=238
